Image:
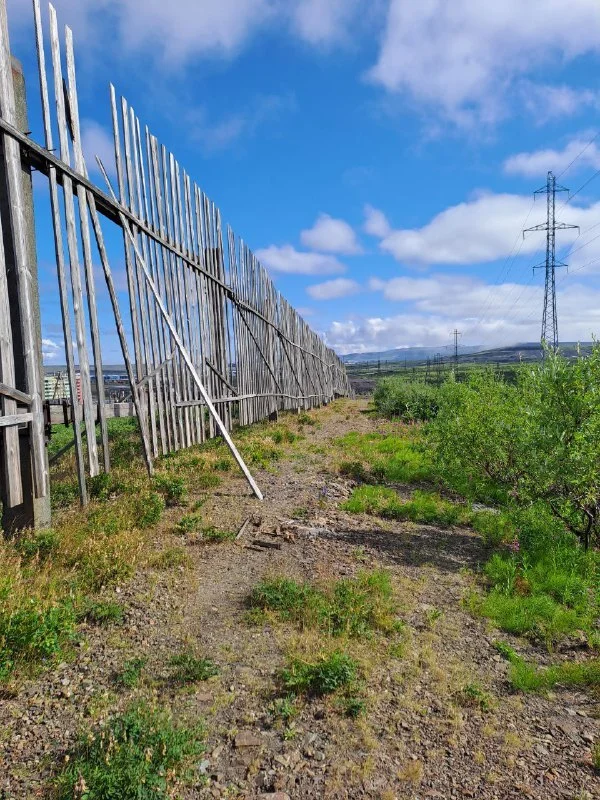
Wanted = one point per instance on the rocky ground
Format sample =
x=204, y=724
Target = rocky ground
x=418, y=737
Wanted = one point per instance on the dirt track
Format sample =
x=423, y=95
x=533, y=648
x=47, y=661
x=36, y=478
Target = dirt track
x=415, y=740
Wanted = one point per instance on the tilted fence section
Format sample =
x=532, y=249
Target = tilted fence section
x=212, y=340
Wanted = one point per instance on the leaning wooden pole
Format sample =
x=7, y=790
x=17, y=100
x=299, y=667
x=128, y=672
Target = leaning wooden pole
x=181, y=347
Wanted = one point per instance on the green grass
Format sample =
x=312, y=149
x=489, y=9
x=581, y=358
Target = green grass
x=131, y=674
x=101, y=612
x=353, y=606
x=190, y=523
x=472, y=695
x=385, y=458
x=172, y=488
x=527, y=677
x=170, y=558
x=37, y=544
x=425, y=507
x=139, y=755
x=326, y=675
x=188, y=668
x=596, y=756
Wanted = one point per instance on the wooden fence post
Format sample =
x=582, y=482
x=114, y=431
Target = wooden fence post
x=34, y=511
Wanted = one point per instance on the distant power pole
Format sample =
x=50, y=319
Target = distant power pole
x=456, y=335
x=549, y=317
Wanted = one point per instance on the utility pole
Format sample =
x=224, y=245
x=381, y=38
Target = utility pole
x=456, y=333
x=549, y=318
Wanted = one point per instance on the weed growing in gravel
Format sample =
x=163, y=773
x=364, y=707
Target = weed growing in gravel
x=352, y=606
x=425, y=507
x=527, y=677
x=99, y=612
x=139, y=755
x=188, y=668
x=305, y=419
x=325, y=676
x=216, y=535
x=170, y=557
x=473, y=696
x=284, y=708
x=190, y=523
x=131, y=673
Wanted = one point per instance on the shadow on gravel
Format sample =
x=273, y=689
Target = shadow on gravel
x=447, y=550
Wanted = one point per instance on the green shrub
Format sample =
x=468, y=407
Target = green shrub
x=64, y=493
x=473, y=696
x=173, y=489
x=216, y=535
x=131, y=673
x=139, y=755
x=322, y=677
x=38, y=544
x=148, y=510
x=187, y=668
x=190, y=523
x=409, y=401
x=354, y=470
x=32, y=632
x=495, y=528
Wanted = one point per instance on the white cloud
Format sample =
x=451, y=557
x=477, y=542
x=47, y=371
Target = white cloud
x=97, y=141
x=480, y=230
x=323, y=21
x=180, y=30
x=538, y=162
x=287, y=259
x=376, y=223
x=462, y=57
x=332, y=290
x=50, y=349
x=437, y=308
x=547, y=102
x=331, y=235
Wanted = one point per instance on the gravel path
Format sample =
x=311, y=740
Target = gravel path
x=417, y=740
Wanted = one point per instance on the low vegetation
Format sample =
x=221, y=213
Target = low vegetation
x=188, y=668
x=526, y=677
x=352, y=607
x=410, y=401
x=425, y=507
x=139, y=755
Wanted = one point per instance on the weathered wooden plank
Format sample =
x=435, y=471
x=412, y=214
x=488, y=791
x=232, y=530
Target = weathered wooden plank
x=15, y=394
x=72, y=246
x=86, y=244
x=59, y=253
x=24, y=270
x=11, y=420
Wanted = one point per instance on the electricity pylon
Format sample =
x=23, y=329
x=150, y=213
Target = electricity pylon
x=456, y=333
x=549, y=318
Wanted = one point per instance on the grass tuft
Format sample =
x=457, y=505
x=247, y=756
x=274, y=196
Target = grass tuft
x=188, y=668
x=425, y=507
x=139, y=755
x=99, y=612
x=131, y=674
x=324, y=676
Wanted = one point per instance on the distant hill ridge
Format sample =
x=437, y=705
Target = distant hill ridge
x=526, y=351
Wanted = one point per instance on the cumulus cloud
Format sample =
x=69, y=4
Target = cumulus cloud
x=432, y=314
x=546, y=102
x=287, y=259
x=50, y=350
x=332, y=236
x=462, y=57
x=480, y=230
x=181, y=30
x=539, y=162
x=376, y=223
x=323, y=21
x=332, y=290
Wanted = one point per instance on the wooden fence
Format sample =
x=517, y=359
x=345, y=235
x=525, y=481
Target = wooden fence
x=212, y=340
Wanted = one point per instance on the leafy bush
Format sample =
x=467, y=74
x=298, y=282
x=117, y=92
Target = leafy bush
x=37, y=544
x=410, y=401
x=173, y=489
x=139, y=755
x=535, y=441
x=32, y=631
x=324, y=676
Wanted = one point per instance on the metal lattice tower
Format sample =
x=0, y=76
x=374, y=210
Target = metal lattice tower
x=456, y=333
x=549, y=318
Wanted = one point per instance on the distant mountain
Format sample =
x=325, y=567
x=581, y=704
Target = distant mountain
x=407, y=353
x=526, y=351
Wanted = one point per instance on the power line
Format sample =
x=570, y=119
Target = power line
x=577, y=157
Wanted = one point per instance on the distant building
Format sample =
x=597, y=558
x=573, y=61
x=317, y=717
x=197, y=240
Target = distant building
x=56, y=386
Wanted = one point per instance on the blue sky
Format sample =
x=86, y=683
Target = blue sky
x=379, y=156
